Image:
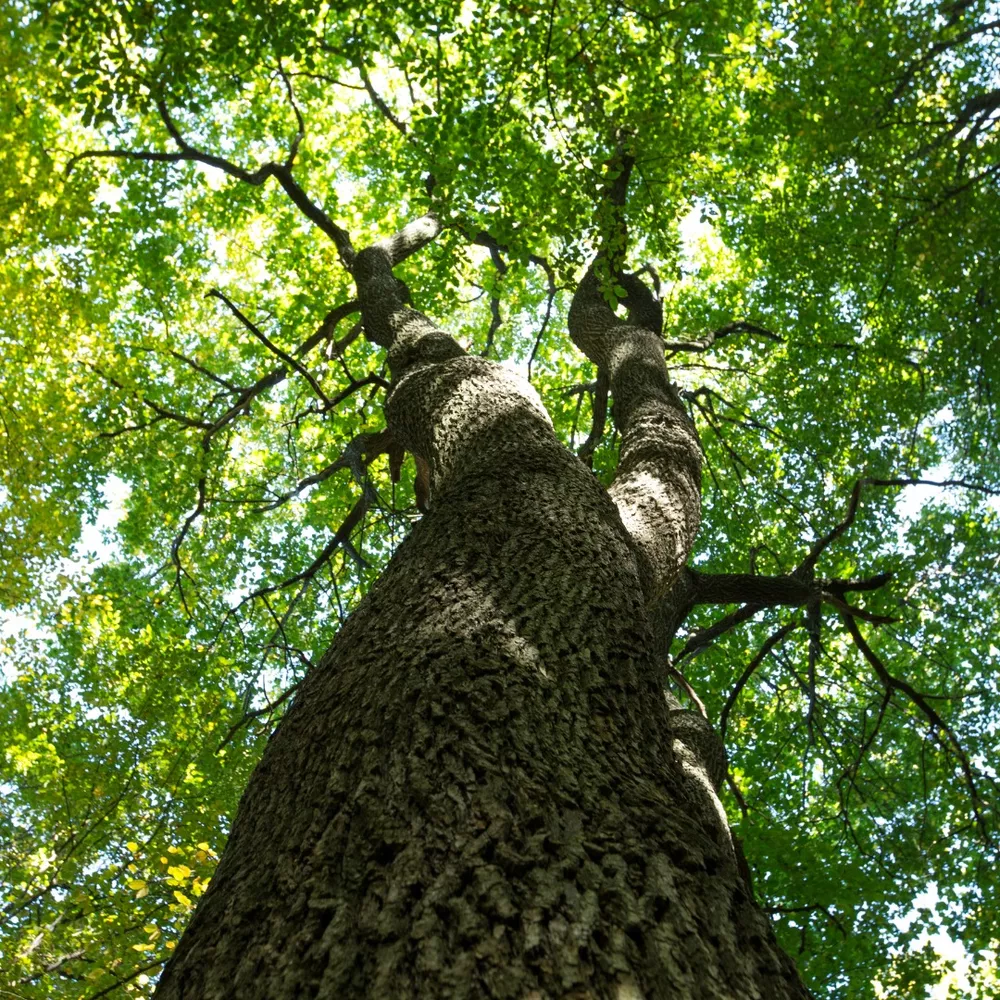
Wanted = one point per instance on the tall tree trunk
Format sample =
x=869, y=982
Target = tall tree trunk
x=477, y=792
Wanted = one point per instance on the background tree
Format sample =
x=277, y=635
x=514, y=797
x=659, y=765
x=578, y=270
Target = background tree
x=831, y=323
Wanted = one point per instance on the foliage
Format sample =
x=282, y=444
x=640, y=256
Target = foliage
x=826, y=172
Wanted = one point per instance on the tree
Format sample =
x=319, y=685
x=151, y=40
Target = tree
x=480, y=787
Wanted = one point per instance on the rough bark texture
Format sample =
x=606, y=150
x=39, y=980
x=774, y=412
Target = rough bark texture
x=477, y=792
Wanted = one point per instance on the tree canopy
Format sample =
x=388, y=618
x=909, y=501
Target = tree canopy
x=815, y=196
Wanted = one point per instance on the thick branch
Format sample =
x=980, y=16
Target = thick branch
x=658, y=484
x=755, y=593
x=412, y=237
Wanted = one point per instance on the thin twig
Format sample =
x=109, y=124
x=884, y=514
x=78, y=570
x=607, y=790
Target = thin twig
x=248, y=717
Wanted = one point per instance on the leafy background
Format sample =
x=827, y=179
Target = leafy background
x=825, y=170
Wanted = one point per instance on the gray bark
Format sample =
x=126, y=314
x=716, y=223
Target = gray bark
x=477, y=792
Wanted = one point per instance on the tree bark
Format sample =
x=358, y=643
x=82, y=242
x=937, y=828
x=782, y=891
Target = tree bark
x=477, y=792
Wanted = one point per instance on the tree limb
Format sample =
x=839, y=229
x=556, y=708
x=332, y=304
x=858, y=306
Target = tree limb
x=773, y=640
x=599, y=409
x=272, y=347
x=944, y=732
x=740, y=326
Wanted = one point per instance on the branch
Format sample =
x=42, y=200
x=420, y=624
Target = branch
x=920, y=700
x=208, y=373
x=248, y=717
x=704, y=636
x=936, y=50
x=273, y=348
x=301, y=131
x=53, y=966
x=340, y=537
x=740, y=326
x=758, y=592
x=805, y=570
x=688, y=689
x=496, y=321
x=126, y=979
x=743, y=418
x=599, y=408
x=379, y=102
x=483, y=238
x=749, y=588
x=361, y=450
x=964, y=483
x=280, y=171
x=175, y=548
x=550, y=278
x=657, y=485
x=128, y=428
x=850, y=772
x=412, y=237
x=325, y=331
x=326, y=328
x=372, y=378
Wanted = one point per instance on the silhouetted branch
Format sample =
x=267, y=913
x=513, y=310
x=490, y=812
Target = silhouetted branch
x=943, y=731
x=496, y=249
x=936, y=50
x=808, y=564
x=175, y=548
x=599, y=409
x=743, y=418
x=272, y=347
x=128, y=428
x=121, y=980
x=280, y=171
x=301, y=127
x=379, y=102
x=550, y=278
x=706, y=342
x=704, y=636
x=360, y=451
x=773, y=640
x=278, y=375
x=496, y=322
x=756, y=592
x=248, y=717
x=852, y=769
x=326, y=328
x=341, y=535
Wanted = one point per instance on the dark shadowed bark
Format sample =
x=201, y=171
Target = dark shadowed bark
x=477, y=792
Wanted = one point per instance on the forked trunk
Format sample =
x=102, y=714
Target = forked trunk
x=477, y=792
